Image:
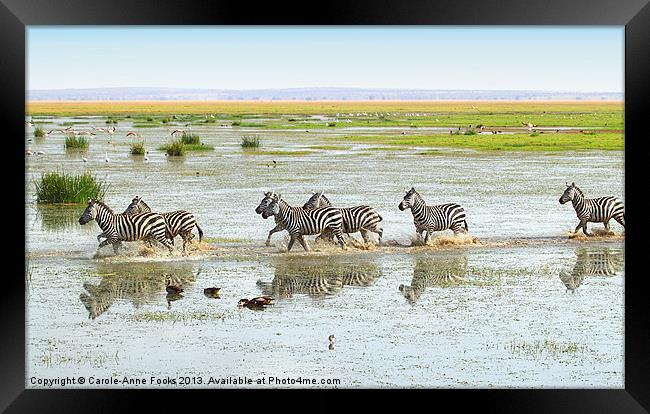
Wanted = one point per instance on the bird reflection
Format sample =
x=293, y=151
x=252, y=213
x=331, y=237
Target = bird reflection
x=430, y=271
x=598, y=261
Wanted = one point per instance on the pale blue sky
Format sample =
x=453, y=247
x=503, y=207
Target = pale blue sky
x=585, y=59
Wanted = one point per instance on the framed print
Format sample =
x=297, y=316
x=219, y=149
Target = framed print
x=407, y=197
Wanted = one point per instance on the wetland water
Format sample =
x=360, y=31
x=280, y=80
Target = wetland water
x=527, y=307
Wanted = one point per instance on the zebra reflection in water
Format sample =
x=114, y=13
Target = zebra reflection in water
x=318, y=277
x=593, y=262
x=137, y=282
x=430, y=271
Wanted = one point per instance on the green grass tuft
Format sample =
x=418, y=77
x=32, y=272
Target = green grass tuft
x=137, y=148
x=64, y=188
x=190, y=139
x=73, y=141
x=38, y=132
x=176, y=148
x=250, y=142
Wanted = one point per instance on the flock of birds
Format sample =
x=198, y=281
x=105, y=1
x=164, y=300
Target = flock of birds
x=257, y=303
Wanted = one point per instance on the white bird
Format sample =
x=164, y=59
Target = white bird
x=182, y=131
x=40, y=152
x=106, y=158
x=84, y=159
x=29, y=152
x=146, y=158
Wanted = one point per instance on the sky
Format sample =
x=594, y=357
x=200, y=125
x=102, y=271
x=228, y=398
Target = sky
x=563, y=58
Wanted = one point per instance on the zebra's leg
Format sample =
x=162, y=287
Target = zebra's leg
x=606, y=223
x=364, y=235
x=99, y=237
x=584, y=228
x=116, y=246
x=579, y=226
x=291, y=242
x=303, y=243
x=339, y=236
x=104, y=243
x=426, y=238
x=275, y=229
x=162, y=239
x=621, y=219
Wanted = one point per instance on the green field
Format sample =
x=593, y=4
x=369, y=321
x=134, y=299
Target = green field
x=603, y=121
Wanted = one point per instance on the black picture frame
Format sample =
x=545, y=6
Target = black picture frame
x=15, y=15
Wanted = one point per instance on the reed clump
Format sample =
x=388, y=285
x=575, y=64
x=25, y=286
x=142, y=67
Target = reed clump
x=59, y=188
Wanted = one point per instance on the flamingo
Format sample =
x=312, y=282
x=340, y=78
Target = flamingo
x=100, y=129
x=182, y=131
x=40, y=152
x=131, y=134
x=111, y=130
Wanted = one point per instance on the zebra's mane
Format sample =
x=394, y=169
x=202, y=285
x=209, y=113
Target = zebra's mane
x=144, y=204
x=325, y=198
x=110, y=210
x=578, y=190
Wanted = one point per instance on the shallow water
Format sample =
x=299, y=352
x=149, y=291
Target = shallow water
x=525, y=307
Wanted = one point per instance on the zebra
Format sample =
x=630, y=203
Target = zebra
x=433, y=218
x=178, y=222
x=300, y=222
x=363, y=219
x=601, y=262
x=121, y=227
x=595, y=210
x=314, y=201
x=430, y=272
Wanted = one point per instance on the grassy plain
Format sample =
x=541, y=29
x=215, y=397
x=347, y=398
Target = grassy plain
x=603, y=121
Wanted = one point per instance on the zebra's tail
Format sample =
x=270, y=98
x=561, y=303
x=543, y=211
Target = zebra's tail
x=200, y=232
x=466, y=227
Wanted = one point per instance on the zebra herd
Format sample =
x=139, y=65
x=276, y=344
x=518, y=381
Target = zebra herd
x=138, y=222
x=318, y=217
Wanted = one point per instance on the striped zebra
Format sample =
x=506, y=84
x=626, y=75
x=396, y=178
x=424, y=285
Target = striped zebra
x=602, y=262
x=121, y=227
x=595, y=210
x=179, y=222
x=300, y=222
x=450, y=216
x=429, y=272
x=363, y=219
x=314, y=201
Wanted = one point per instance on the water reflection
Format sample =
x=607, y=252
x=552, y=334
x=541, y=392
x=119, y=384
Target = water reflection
x=318, y=276
x=58, y=218
x=137, y=282
x=443, y=271
x=599, y=261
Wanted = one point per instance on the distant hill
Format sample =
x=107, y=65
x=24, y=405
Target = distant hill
x=315, y=94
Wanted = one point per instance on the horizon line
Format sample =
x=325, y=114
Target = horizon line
x=326, y=87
